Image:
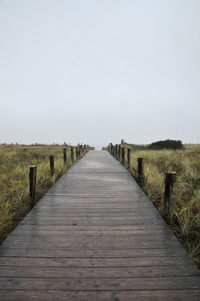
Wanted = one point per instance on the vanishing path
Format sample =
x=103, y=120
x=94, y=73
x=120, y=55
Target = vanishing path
x=95, y=236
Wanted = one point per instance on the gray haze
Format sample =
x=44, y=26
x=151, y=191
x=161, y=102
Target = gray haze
x=97, y=71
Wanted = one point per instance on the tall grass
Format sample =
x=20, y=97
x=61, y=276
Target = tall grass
x=14, y=179
x=185, y=212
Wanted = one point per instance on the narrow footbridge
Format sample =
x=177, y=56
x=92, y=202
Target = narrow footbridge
x=95, y=236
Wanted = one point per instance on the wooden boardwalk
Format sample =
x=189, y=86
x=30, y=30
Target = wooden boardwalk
x=95, y=236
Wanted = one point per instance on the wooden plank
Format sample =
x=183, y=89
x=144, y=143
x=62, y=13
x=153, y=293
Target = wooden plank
x=142, y=295
x=99, y=284
x=111, y=272
x=40, y=233
x=96, y=262
x=66, y=229
x=124, y=239
x=93, y=215
x=37, y=251
x=93, y=245
x=91, y=221
x=101, y=206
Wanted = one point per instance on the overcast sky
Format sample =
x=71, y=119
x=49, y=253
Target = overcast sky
x=96, y=71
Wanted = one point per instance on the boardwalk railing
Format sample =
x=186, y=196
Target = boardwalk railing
x=125, y=155
x=71, y=154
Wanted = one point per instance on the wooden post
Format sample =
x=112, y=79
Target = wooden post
x=65, y=155
x=77, y=152
x=72, y=154
x=111, y=148
x=123, y=155
x=32, y=184
x=128, y=156
x=116, y=150
x=119, y=152
x=170, y=178
x=113, y=151
x=140, y=170
x=51, y=160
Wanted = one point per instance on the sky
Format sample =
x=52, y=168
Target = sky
x=96, y=71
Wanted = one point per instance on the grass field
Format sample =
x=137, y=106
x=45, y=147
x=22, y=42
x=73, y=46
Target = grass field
x=14, y=179
x=185, y=215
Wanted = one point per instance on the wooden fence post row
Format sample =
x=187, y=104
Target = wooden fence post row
x=115, y=150
x=80, y=150
x=170, y=179
x=32, y=184
x=119, y=152
x=33, y=171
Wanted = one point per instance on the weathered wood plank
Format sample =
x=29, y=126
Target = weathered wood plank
x=53, y=233
x=99, y=284
x=93, y=244
x=98, y=262
x=93, y=221
x=66, y=229
x=111, y=272
x=95, y=253
x=142, y=295
x=93, y=215
x=124, y=239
